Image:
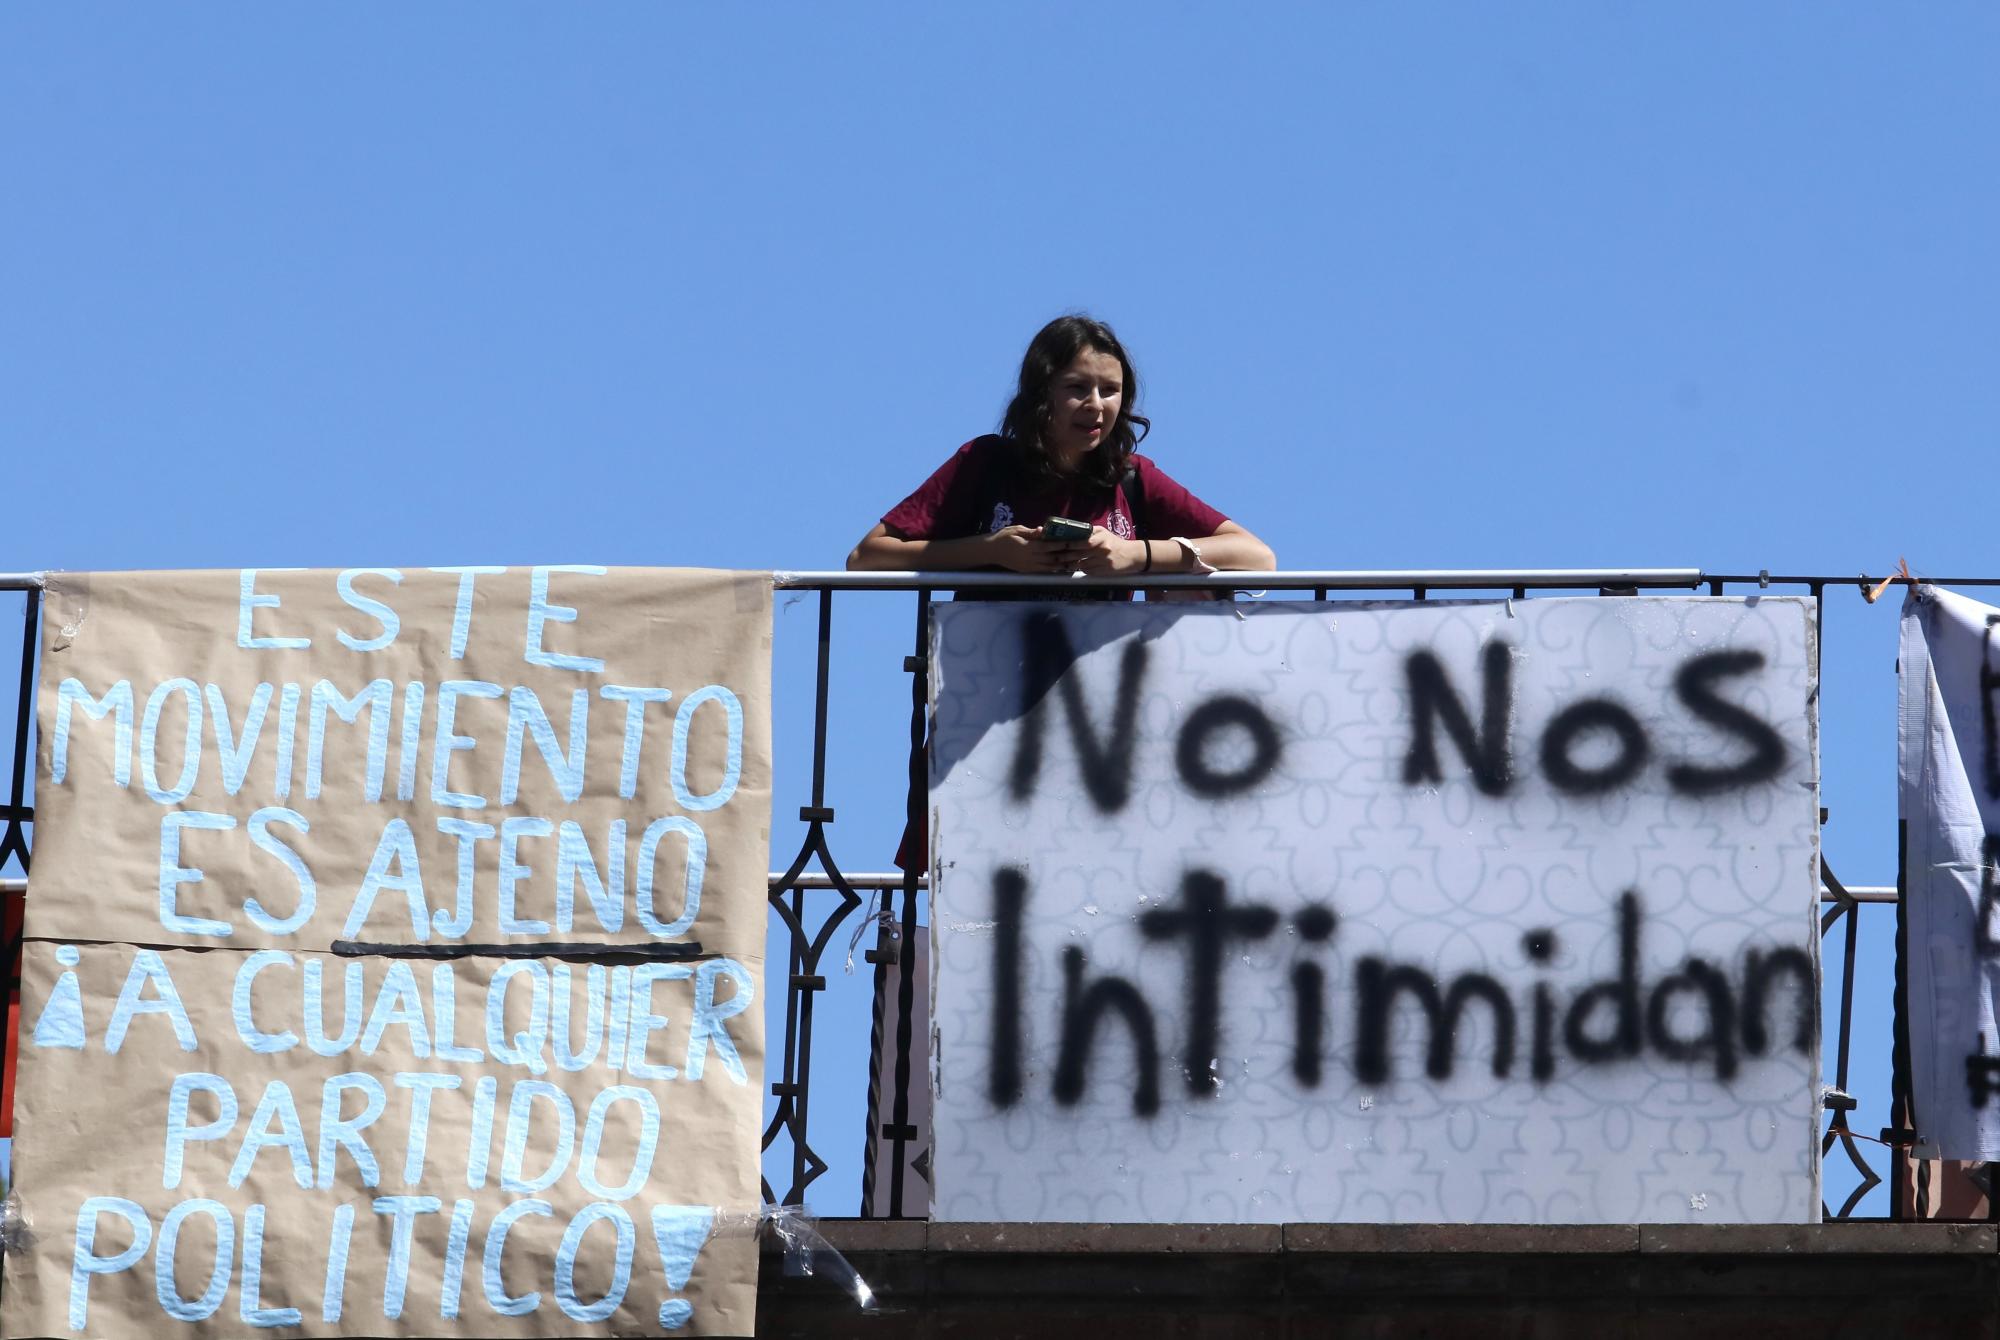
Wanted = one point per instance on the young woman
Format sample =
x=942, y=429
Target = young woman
x=1066, y=448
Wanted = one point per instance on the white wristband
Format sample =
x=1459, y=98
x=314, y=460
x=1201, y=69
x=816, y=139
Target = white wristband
x=1195, y=561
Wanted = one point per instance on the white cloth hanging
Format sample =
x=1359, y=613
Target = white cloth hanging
x=1948, y=766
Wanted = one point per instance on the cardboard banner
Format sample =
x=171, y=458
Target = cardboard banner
x=395, y=940
x=1948, y=755
x=1463, y=912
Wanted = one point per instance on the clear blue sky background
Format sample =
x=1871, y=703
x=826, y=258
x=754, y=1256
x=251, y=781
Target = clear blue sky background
x=1409, y=286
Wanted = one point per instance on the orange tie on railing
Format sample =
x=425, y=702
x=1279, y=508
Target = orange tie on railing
x=1901, y=574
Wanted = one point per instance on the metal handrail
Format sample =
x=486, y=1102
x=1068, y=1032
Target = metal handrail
x=877, y=880
x=1355, y=579
x=1362, y=579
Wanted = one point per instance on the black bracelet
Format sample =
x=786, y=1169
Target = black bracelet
x=1149, y=557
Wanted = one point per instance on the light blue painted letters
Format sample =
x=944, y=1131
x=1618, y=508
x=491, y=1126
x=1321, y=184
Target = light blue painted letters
x=179, y=1133
x=249, y=600
x=117, y=701
x=541, y=613
x=449, y=743
x=635, y=701
x=732, y=760
x=343, y=585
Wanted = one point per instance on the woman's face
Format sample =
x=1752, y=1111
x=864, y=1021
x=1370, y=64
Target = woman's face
x=1083, y=406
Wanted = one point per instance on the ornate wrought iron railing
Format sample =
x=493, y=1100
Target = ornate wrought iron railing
x=814, y=900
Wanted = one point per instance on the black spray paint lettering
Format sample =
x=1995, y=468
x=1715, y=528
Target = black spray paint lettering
x=1989, y=684
x=1105, y=758
x=1575, y=722
x=1315, y=925
x=1220, y=714
x=1695, y=686
x=1760, y=969
x=1210, y=926
x=1983, y=936
x=1488, y=750
x=1010, y=898
x=1106, y=764
x=1377, y=984
x=1982, y=1076
x=1982, y=1072
x=1082, y=1007
x=1540, y=946
x=1638, y=1019
x=1608, y=1021
x=1620, y=993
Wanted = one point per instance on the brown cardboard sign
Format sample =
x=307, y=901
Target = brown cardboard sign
x=395, y=940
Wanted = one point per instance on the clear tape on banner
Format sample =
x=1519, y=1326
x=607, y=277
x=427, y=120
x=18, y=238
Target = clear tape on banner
x=65, y=606
x=806, y=1250
x=16, y=1235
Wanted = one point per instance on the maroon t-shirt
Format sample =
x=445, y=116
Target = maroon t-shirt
x=981, y=489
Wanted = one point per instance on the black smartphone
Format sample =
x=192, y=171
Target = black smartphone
x=1062, y=528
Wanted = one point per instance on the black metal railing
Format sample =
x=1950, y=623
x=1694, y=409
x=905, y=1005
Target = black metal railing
x=813, y=900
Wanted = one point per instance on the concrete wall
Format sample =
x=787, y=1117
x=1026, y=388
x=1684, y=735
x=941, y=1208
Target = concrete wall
x=1113, y=1281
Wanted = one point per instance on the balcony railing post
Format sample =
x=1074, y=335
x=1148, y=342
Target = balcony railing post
x=823, y=657
x=803, y=979
x=14, y=833
x=1898, y=1134
x=871, y=1136
x=806, y=948
x=899, y=1132
x=14, y=836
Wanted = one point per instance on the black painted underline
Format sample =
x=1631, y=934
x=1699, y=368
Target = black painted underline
x=648, y=953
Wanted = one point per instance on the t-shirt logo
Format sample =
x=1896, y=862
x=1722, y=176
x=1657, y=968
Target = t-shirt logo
x=1003, y=517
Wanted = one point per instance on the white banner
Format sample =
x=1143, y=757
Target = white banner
x=1949, y=770
x=1473, y=912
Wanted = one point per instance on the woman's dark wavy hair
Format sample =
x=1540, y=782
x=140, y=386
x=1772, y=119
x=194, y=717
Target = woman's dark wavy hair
x=1052, y=350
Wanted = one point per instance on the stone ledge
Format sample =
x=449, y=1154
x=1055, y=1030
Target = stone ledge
x=1911, y=1239
x=876, y=1235
x=1005, y=1281
x=1417, y=1239
x=1120, y=1239
x=1767, y=1240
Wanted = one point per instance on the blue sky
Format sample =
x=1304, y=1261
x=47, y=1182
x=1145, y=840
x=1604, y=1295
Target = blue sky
x=1409, y=286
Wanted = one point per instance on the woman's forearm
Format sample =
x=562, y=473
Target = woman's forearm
x=882, y=552
x=1016, y=548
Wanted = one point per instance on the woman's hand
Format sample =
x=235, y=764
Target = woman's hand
x=1102, y=555
x=1021, y=549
